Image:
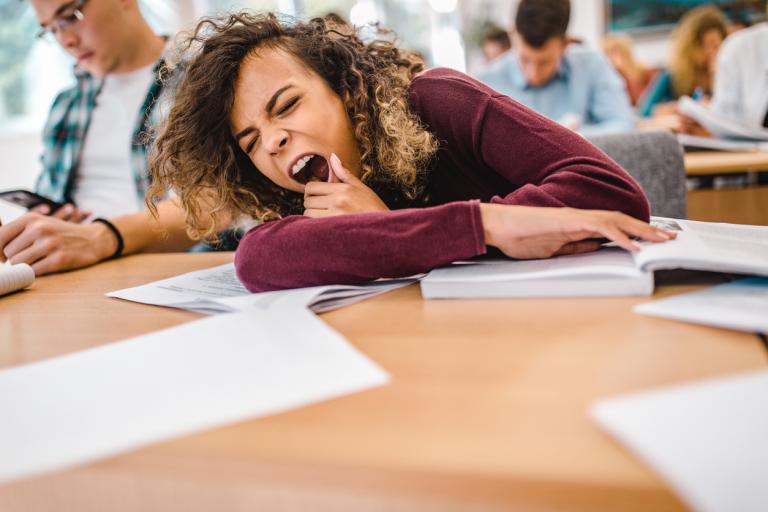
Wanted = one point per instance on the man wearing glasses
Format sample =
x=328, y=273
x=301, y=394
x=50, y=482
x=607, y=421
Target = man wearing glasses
x=96, y=143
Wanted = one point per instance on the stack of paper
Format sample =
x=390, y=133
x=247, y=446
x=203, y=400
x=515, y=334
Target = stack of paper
x=610, y=271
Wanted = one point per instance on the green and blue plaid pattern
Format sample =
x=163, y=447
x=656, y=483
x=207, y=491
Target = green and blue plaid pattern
x=67, y=125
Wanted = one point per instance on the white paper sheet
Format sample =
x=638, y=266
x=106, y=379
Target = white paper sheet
x=708, y=440
x=217, y=290
x=740, y=305
x=102, y=402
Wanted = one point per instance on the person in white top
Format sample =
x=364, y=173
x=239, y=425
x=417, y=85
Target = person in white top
x=741, y=83
x=95, y=157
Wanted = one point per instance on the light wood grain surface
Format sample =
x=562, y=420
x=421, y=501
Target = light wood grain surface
x=724, y=162
x=487, y=409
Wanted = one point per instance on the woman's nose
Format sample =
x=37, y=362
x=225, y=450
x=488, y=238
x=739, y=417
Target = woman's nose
x=277, y=142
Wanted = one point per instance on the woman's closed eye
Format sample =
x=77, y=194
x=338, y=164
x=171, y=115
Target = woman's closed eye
x=288, y=106
x=251, y=143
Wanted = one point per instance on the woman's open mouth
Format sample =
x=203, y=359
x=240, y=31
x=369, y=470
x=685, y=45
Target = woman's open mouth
x=310, y=168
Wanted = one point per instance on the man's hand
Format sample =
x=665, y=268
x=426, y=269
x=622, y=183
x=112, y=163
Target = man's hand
x=688, y=125
x=50, y=244
x=68, y=212
x=343, y=193
x=526, y=232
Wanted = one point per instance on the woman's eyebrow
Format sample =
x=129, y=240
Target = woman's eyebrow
x=268, y=108
x=271, y=103
x=245, y=131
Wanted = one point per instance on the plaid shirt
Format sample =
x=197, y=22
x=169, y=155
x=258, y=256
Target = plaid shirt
x=67, y=126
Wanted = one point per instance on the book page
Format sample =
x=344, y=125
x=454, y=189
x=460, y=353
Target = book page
x=197, y=289
x=709, y=246
x=212, y=372
x=217, y=290
x=719, y=143
x=15, y=277
x=708, y=440
x=718, y=125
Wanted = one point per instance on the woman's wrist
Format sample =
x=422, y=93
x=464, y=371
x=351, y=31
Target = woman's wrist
x=489, y=217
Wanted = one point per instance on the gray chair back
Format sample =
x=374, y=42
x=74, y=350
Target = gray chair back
x=655, y=160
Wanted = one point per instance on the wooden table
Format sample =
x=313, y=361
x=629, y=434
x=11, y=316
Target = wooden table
x=741, y=205
x=487, y=409
x=724, y=162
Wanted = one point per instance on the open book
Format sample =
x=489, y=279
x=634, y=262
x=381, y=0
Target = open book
x=719, y=143
x=718, y=125
x=217, y=290
x=610, y=271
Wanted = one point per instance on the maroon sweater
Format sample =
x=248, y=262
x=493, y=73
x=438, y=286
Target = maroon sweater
x=492, y=149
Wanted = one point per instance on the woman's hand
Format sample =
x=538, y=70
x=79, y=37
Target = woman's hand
x=343, y=193
x=525, y=232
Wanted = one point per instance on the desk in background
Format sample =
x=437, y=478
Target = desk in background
x=743, y=205
x=486, y=409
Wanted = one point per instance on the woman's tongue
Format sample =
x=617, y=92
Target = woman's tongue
x=316, y=169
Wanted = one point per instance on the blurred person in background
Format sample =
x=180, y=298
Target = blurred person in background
x=692, y=61
x=95, y=143
x=637, y=77
x=565, y=81
x=494, y=43
x=741, y=84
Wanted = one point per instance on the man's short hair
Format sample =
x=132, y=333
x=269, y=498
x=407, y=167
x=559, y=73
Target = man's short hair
x=537, y=21
x=496, y=34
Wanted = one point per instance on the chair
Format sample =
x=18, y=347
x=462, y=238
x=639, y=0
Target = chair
x=655, y=160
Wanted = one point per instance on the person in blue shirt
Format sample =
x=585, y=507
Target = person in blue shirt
x=569, y=83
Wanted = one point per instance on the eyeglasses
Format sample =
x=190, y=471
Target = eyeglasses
x=66, y=16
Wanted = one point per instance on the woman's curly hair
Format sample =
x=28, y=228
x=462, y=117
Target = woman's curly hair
x=197, y=156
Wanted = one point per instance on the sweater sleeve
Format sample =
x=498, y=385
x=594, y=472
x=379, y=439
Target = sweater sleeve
x=298, y=251
x=546, y=163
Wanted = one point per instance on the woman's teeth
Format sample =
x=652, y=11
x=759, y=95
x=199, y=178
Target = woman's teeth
x=300, y=164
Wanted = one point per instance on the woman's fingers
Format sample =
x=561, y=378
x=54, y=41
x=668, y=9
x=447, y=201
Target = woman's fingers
x=578, y=247
x=620, y=228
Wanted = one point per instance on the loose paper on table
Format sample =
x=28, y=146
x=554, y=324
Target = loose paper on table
x=98, y=403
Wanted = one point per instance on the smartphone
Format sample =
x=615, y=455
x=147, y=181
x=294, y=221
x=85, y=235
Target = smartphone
x=29, y=200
